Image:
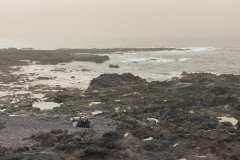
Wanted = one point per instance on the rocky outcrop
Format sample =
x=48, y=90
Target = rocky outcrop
x=59, y=145
x=115, y=80
x=113, y=66
x=16, y=57
x=184, y=110
x=173, y=119
x=35, y=156
x=91, y=58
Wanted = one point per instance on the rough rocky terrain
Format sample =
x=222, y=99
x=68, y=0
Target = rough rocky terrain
x=193, y=117
x=15, y=128
x=13, y=56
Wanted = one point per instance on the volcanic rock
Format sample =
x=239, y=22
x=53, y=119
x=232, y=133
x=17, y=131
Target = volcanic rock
x=113, y=66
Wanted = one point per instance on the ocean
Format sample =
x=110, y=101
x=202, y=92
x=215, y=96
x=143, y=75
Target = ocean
x=152, y=66
x=219, y=56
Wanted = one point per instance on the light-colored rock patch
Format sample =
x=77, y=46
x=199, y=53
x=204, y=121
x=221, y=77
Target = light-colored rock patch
x=228, y=119
x=153, y=119
x=126, y=134
x=96, y=112
x=175, y=145
x=94, y=103
x=46, y=105
x=148, y=139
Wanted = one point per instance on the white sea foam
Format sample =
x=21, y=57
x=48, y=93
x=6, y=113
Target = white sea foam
x=152, y=66
x=136, y=60
x=23, y=92
x=46, y=105
x=5, y=93
x=96, y=112
x=202, y=49
x=56, y=77
x=183, y=59
x=129, y=53
x=28, y=61
x=164, y=60
x=157, y=60
x=172, y=74
x=38, y=96
x=35, y=62
x=13, y=115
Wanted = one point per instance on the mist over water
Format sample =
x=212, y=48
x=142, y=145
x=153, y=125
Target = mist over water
x=55, y=24
x=47, y=43
x=210, y=29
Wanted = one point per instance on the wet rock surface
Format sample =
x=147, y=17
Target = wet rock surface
x=14, y=56
x=175, y=119
x=113, y=66
x=2, y=123
x=16, y=128
x=38, y=156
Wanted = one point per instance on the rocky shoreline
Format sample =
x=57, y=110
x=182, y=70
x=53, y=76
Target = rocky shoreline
x=14, y=56
x=193, y=117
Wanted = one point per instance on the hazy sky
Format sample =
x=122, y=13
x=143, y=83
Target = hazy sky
x=109, y=20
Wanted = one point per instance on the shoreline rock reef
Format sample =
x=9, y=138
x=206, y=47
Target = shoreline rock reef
x=192, y=117
x=14, y=56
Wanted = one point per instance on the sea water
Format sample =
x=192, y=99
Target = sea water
x=152, y=66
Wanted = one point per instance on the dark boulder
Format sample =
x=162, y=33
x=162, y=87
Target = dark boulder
x=114, y=80
x=44, y=78
x=21, y=149
x=198, y=77
x=112, y=135
x=238, y=125
x=113, y=66
x=156, y=145
x=96, y=153
x=91, y=58
x=130, y=124
x=50, y=138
